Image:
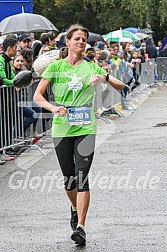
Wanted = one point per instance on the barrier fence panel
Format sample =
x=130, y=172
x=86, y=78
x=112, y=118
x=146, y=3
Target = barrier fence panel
x=97, y=103
x=147, y=72
x=12, y=116
x=106, y=97
x=11, y=119
x=162, y=68
x=45, y=117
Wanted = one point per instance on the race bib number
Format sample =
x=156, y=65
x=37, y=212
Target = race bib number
x=79, y=115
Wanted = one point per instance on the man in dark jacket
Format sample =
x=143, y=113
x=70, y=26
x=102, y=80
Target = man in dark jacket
x=151, y=49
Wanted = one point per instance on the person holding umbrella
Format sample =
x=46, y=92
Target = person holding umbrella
x=74, y=124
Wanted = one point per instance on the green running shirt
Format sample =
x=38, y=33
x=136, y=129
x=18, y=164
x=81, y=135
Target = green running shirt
x=71, y=87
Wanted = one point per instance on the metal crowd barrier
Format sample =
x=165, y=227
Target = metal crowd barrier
x=12, y=117
x=148, y=72
x=162, y=68
x=107, y=97
x=44, y=118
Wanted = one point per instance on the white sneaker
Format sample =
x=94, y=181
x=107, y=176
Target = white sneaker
x=36, y=135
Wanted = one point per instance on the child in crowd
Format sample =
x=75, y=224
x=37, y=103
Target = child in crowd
x=136, y=61
x=97, y=55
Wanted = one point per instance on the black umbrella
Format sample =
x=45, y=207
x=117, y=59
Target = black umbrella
x=94, y=37
x=23, y=79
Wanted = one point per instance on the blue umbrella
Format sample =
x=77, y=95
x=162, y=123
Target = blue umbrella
x=132, y=29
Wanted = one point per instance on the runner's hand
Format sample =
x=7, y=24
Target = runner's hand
x=96, y=79
x=61, y=110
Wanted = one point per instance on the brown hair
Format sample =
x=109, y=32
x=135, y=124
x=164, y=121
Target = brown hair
x=74, y=28
x=90, y=55
x=63, y=53
x=124, y=44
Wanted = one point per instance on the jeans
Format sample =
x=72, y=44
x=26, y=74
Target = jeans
x=31, y=115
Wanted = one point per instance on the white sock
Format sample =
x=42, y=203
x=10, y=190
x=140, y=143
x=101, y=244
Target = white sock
x=82, y=226
x=74, y=209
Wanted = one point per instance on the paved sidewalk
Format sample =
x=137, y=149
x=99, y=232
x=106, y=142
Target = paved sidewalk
x=128, y=210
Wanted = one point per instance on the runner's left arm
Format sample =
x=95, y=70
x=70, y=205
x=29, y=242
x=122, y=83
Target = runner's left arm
x=115, y=83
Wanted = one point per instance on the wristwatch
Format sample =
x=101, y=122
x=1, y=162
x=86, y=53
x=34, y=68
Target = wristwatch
x=107, y=77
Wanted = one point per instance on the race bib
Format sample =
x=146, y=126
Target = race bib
x=79, y=115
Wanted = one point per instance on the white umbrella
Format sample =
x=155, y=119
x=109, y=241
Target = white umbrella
x=25, y=22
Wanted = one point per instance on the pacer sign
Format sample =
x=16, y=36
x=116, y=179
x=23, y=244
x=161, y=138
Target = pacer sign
x=79, y=115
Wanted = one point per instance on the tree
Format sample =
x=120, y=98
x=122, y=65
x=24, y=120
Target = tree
x=107, y=15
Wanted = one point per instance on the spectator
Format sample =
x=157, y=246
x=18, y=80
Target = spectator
x=91, y=55
x=52, y=41
x=129, y=66
x=36, y=46
x=159, y=47
x=115, y=48
x=28, y=58
x=164, y=42
x=143, y=51
x=23, y=42
x=9, y=50
x=164, y=51
x=101, y=45
x=103, y=59
x=97, y=55
x=7, y=76
x=136, y=61
x=61, y=43
x=151, y=49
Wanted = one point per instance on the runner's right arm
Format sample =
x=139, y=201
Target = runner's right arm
x=41, y=101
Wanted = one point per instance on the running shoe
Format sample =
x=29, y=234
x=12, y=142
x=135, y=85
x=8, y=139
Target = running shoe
x=79, y=236
x=74, y=219
x=2, y=162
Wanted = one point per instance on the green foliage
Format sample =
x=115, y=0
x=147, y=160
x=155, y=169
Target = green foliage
x=102, y=16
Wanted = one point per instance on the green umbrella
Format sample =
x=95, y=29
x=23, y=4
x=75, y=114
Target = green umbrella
x=120, y=36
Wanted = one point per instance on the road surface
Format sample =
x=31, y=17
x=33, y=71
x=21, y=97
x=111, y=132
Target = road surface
x=128, y=209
